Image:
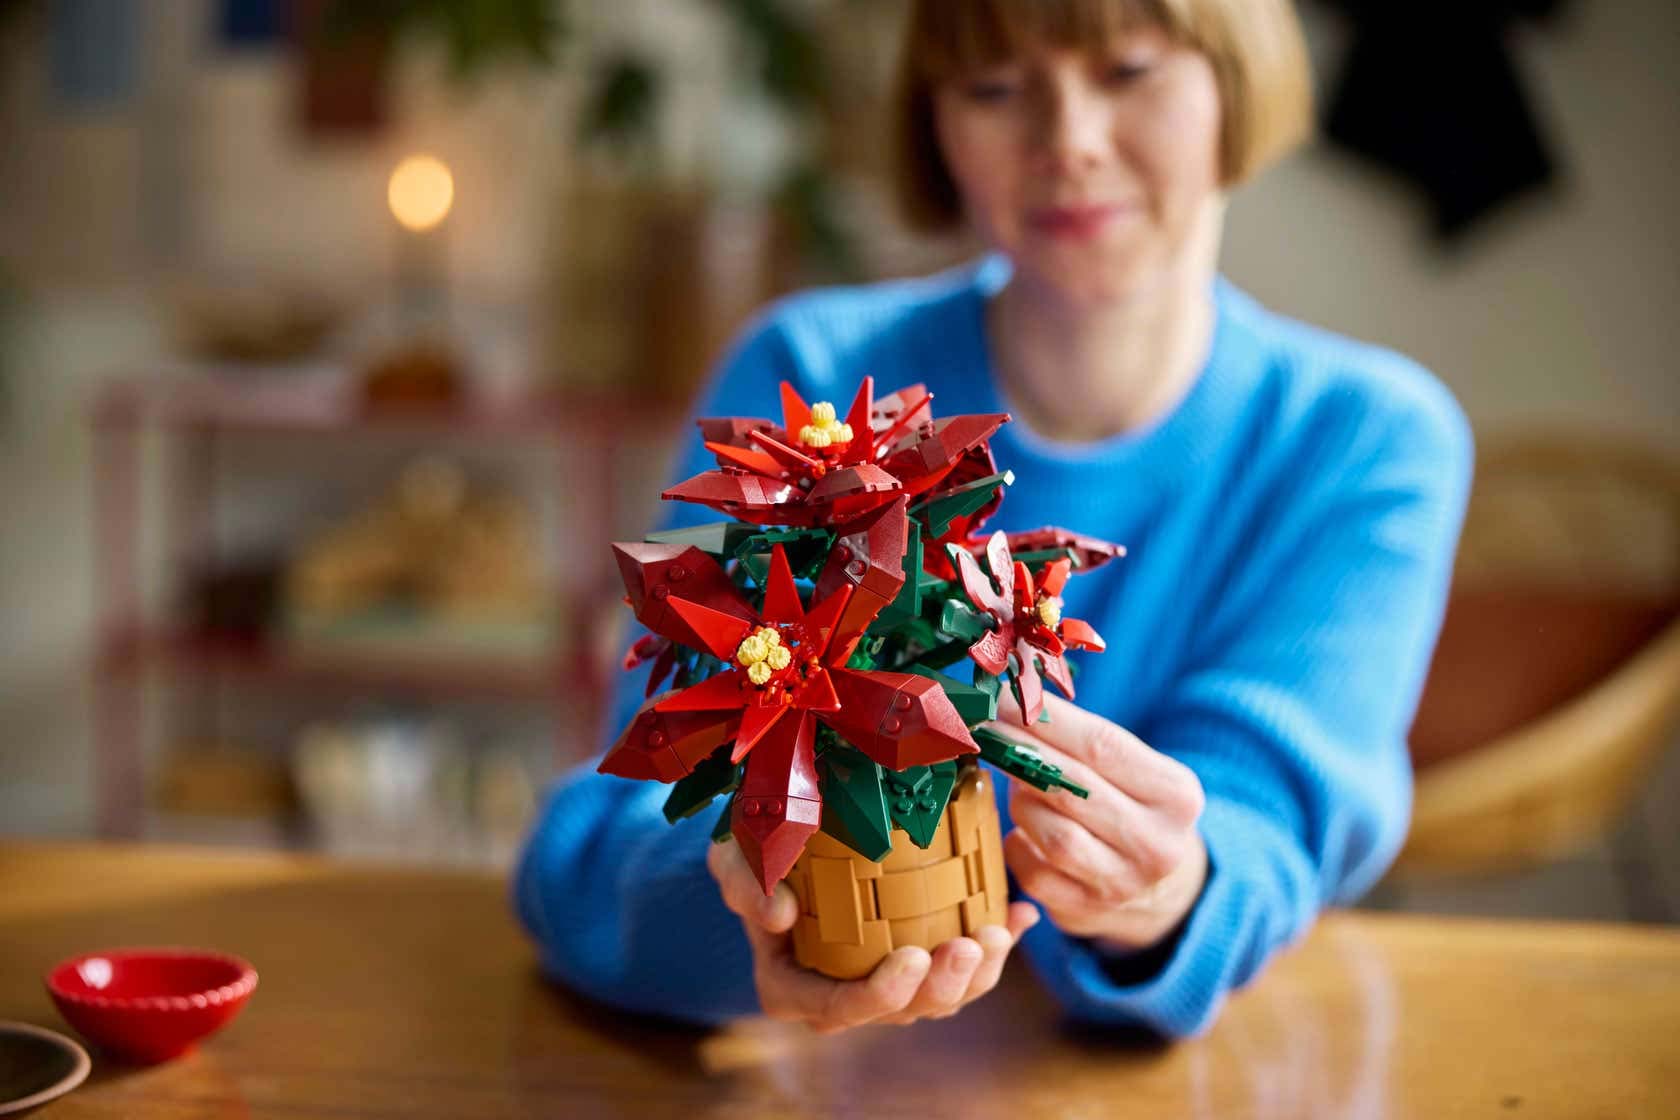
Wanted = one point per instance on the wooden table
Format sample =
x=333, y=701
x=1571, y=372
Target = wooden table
x=403, y=993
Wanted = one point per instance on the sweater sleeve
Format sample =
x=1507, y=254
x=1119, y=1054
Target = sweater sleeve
x=620, y=902
x=1293, y=709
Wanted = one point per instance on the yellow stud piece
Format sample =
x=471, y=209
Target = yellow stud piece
x=1050, y=611
x=763, y=654
x=824, y=430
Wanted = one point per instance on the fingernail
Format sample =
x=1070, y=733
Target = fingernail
x=905, y=962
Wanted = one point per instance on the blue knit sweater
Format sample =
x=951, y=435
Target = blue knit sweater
x=1290, y=524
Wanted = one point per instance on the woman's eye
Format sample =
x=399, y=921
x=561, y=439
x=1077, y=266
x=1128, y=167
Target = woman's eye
x=990, y=90
x=1124, y=73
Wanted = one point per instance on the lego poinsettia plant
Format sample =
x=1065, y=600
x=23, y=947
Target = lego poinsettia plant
x=805, y=636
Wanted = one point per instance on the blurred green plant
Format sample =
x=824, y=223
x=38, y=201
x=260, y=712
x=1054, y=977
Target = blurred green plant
x=781, y=59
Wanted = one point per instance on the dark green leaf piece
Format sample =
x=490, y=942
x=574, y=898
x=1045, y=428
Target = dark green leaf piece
x=974, y=705
x=720, y=538
x=916, y=798
x=908, y=603
x=720, y=830
x=713, y=776
x=962, y=621
x=938, y=513
x=1023, y=763
x=854, y=801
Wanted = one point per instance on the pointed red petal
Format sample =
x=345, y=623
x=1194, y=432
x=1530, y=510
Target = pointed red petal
x=755, y=722
x=863, y=436
x=1054, y=577
x=868, y=556
x=785, y=454
x=1029, y=690
x=1056, y=669
x=795, y=412
x=726, y=691
x=1022, y=579
x=656, y=574
x=1078, y=634
x=818, y=695
x=898, y=719
x=991, y=653
x=981, y=592
x=781, y=596
x=778, y=807
x=1089, y=551
x=1002, y=566
x=718, y=633
x=746, y=458
x=822, y=623
x=662, y=746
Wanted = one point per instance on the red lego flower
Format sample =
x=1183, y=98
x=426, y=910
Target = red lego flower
x=786, y=672
x=1027, y=613
x=817, y=469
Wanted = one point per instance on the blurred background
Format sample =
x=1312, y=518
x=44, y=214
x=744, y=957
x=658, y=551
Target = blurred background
x=338, y=339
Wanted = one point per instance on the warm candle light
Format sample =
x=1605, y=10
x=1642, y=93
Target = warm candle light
x=420, y=192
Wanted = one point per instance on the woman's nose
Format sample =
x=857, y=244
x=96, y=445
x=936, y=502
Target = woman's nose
x=1072, y=130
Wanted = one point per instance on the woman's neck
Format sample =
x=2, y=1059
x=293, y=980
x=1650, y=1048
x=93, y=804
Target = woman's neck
x=1078, y=375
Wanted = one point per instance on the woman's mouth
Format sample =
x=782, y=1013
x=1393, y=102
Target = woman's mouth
x=1074, y=221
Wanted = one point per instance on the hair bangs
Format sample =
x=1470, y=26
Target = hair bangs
x=952, y=39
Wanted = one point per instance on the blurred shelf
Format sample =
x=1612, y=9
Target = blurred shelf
x=329, y=401
x=204, y=652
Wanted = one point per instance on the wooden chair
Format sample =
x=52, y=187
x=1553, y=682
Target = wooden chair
x=1591, y=525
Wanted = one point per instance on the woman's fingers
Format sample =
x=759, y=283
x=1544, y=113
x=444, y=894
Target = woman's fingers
x=775, y=912
x=1104, y=748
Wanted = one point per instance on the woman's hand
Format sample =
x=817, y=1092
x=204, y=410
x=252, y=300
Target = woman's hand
x=1124, y=866
x=909, y=984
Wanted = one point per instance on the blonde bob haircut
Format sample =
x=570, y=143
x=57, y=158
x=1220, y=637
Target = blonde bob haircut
x=1256, y=49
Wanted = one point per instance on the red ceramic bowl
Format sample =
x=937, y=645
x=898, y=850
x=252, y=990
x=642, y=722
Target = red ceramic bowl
x=149, y=1005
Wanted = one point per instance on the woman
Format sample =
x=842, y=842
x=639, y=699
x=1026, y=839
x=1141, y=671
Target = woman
x=1290, y=499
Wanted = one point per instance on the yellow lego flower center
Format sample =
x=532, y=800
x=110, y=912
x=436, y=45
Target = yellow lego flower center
x=1049, y=610
x=825, y=428
x=762, y=654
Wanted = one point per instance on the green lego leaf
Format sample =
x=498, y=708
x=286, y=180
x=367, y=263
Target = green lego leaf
x=974, y=705
x=713, y=776
x=721, y=830
x=1023, y=763
x=854, y=801
x=907, y=605
x=963, y=622
x=916, y=798
x=938, y=513
x=720, y=538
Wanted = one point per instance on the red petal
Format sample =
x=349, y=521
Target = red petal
x=863, y=436
x=781, y=596
x=821, y=623
x=714, y=631
x=1029, y=690
x=656, y=574
x=1078, y=634
x=1054, y=577
x=795, y=412
x=778, y=807
x=1057, y=670
x=728, y=690
x=991, y=653
x=1002, y=566
x=755, y=722
x=746, y=458
x=662, y=746
x=981, y=591
x=898, y=719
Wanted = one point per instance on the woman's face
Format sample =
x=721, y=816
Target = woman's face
x=1091, y=171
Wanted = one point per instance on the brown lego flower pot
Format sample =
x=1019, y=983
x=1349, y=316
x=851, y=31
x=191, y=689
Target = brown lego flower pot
x=854, y=911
